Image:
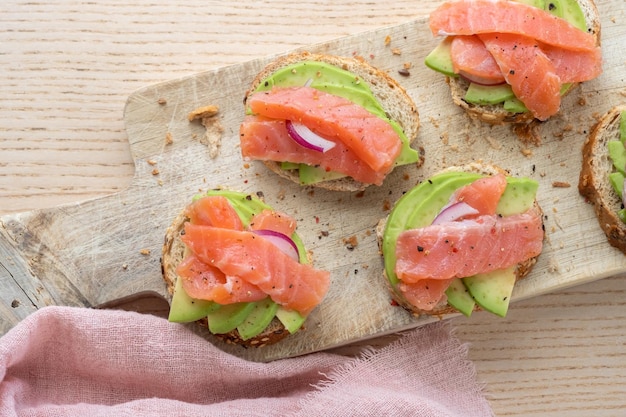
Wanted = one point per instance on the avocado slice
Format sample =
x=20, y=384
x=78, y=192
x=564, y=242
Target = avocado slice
x=460, y=298
x=492, y=291
x=439, y=58
x=185, y=309
x=488, y=94
x=617, y=153
x=569, y=10
x=229, y=316
x=291, y=319
x=617, y=182
x=258, y=319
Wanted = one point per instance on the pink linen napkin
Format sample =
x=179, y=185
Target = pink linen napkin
x=65, y=361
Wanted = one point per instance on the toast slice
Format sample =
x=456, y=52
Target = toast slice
x=173, y=252
x=594, y=183
x=443, y=308
x=496, y=114
x=398, y=105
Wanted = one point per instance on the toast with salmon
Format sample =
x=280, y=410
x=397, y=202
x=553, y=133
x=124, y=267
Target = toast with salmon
x=327, y=121
x=460, y=240
x=512, y=61
x=238, y=268
x=602, y=175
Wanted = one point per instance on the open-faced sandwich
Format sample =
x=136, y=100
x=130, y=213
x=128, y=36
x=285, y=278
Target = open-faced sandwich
x=328, y=121
x=511, y=61
x=233, y=263
x=460, y=240
x=602, y=175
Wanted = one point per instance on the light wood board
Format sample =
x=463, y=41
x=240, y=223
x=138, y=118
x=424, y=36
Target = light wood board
x=90, y=253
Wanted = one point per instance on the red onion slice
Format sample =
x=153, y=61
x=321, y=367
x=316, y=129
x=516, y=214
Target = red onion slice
x=481, y=80
x=283, y=242
x=307, y=138
x=454, y=212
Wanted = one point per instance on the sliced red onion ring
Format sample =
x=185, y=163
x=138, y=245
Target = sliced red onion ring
x=307, y=138
x=480, y=80
x=454, y=212
x=283, y=242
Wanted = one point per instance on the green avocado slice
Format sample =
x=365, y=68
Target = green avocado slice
x=258, y=319
x=492, y=291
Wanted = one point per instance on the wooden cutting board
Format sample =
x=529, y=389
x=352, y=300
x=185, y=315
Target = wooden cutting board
x=91, y=253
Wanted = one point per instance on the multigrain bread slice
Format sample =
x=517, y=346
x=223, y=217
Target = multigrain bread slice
x=173, y=252
x=594, y=183
x=443, y=308
x=397, y=103
x=496, y=114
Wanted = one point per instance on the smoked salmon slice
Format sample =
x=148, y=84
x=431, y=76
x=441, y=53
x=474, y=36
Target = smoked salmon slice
x=528, y=70
x=214, y=210
x=426, y=293
x=254, y=259
x=267, y=139
x=467, y=247
x=470, y=17
x=274, y=221
x=471, y=58
x=205, y=282
x=335, y=118
x=482, y=194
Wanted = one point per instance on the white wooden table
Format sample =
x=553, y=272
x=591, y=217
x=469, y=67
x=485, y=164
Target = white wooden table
x=67, y=68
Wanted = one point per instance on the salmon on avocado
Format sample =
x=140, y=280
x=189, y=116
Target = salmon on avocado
x=328, y=121
x=460, y=239
x=237, y=265
x=534, y=49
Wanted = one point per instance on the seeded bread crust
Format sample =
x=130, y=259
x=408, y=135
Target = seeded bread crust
x=393, y=97
x=173, y=252
x=495, y=114
x=523, y=268
x=594, y=183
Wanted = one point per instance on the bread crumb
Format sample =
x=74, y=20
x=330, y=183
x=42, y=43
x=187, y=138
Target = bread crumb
x=145, y=251
x=162, y=101
x=387, y=40
x=151, y=162
x=396, y=51
x=213, y=128
x=561, y=184
x=124, y=266
x=203, y=112
x=528, y=133
x=407, y=65
x=168, y=138
x=527, y=152
x=351, y=242
x=155, y=171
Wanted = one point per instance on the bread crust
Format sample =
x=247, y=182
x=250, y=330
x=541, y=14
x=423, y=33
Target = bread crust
x=594, y=183
x=496, y=114
x=522, y=270
x=173, y=252
x=397, y=103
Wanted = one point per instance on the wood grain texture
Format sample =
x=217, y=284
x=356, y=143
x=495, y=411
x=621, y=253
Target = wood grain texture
x=68, y=69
